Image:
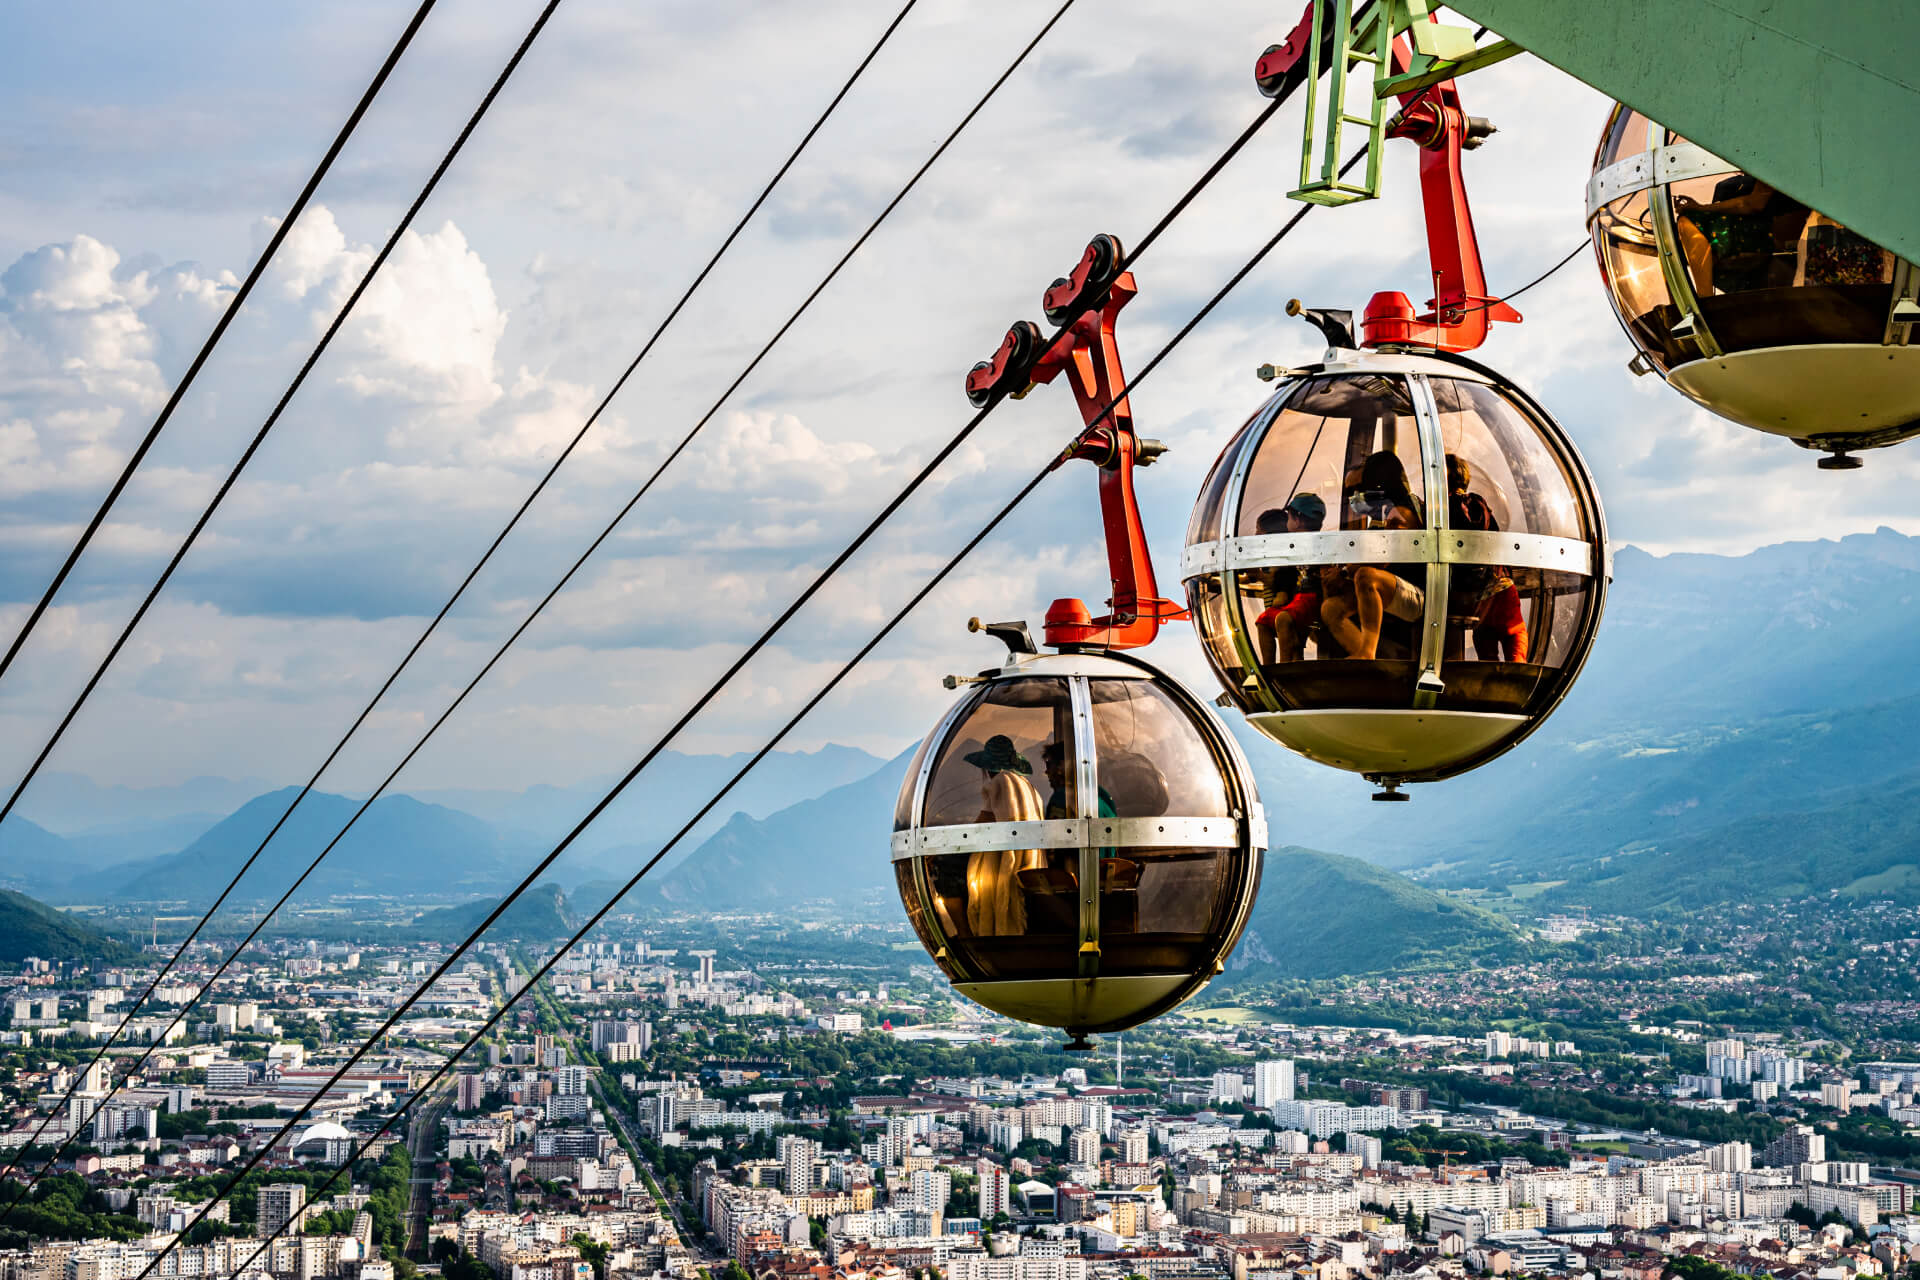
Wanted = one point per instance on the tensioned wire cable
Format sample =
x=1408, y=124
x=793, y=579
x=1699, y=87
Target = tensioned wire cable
x=606, y=532
x=299, y=379
x=238, y=300
x=432, y=626
x=766, y=749
x=740, y=663
x=1539, y=279
x=232, y=476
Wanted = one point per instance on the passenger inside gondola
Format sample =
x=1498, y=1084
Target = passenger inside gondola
x=1481, y=598
x=1356, y=599
x=1731, y=242
x=1289, y=594
x=995, y=904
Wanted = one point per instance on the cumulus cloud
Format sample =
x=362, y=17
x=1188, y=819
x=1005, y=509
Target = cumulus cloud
x=602, y=181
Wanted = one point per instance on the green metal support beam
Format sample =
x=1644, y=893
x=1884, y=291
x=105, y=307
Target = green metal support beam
x=1819, y=98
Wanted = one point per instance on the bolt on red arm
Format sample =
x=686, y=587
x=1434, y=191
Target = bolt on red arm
x=1090, y=357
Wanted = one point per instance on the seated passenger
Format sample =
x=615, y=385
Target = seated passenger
x=1053, y=759
x=1356, y=599
x=995, y=905
x=1484, y=593
x=1379, y=496
x=1290, y=593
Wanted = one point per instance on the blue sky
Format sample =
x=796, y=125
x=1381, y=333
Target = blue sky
x=147, y=148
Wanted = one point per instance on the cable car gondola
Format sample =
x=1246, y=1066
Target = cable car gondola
x=1078, y=842
x=1748, y=302
x=1397, y=566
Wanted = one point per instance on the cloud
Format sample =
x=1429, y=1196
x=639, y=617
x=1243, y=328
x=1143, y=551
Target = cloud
x=602, y=181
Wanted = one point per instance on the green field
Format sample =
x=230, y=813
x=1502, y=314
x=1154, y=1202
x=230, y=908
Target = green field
x=1232, y=1014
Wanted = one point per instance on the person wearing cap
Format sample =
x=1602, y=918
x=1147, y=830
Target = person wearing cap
x=996, y=907
x=1290, y=593
x=1482, y=597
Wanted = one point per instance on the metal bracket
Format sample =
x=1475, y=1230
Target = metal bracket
x=1337, y=44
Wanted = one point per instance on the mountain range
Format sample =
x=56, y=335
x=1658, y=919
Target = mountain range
x=155, y=844
x=1742, y=732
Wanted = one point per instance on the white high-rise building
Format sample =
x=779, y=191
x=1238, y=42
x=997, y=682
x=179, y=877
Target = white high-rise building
x=796, y=1161
x=1730, y=1157
x=996, y=1189
x=1499, y=1044
x=1083, y=1147
x=899, y=1139
x=1229, y=1086
x=571, y=1081
x=932, y=1188
x=1133, y=1146
x=1272, y=1082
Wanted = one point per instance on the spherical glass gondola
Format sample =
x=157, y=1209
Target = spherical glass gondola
x=1748, y=302
x=1078, y=842
x=1398, y=565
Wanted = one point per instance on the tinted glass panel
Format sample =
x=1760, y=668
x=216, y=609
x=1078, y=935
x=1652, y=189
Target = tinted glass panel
x=1501, y=476
x=1206, y=522
x=1626, y=135
x=903, y=806
x=1343, y=454
x=904, y=880
x=1351, y=643
x=1206, y=597
x=1150, y=759
x=1624, y=239
x=1508, y=633
x=1166, y=910
x=1009, y=914
x=1009, y=759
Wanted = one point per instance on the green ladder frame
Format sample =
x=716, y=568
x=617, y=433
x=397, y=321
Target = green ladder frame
x=1439, y=53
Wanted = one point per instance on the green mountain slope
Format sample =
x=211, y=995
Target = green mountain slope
x=1867, y=844
x=29, y=928
x=1321, y=915
x=538, y=915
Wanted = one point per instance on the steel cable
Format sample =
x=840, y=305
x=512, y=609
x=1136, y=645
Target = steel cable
x=755, y=648
x=767, y=748
x=213, y=339
x=432, y=626
x=312, y=359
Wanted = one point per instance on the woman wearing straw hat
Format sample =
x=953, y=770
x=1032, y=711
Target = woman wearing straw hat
x=995, y=905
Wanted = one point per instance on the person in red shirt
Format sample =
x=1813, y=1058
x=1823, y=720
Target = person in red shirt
x=1291, y=593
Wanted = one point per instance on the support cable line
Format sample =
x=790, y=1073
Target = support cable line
x=819, y=695
x=1539, y=279
x=438, y=618
x=238, y=300
x=605, y=533
x=299, y=379
x=765, y=638
x=232, y=476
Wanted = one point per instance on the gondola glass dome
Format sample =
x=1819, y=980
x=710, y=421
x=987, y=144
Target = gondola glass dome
x=1398, y=565
x=1747, y=301
x=1078, y=842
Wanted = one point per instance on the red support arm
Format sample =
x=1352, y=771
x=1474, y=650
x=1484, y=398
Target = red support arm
x=1461, y=311
x=1090, y=357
